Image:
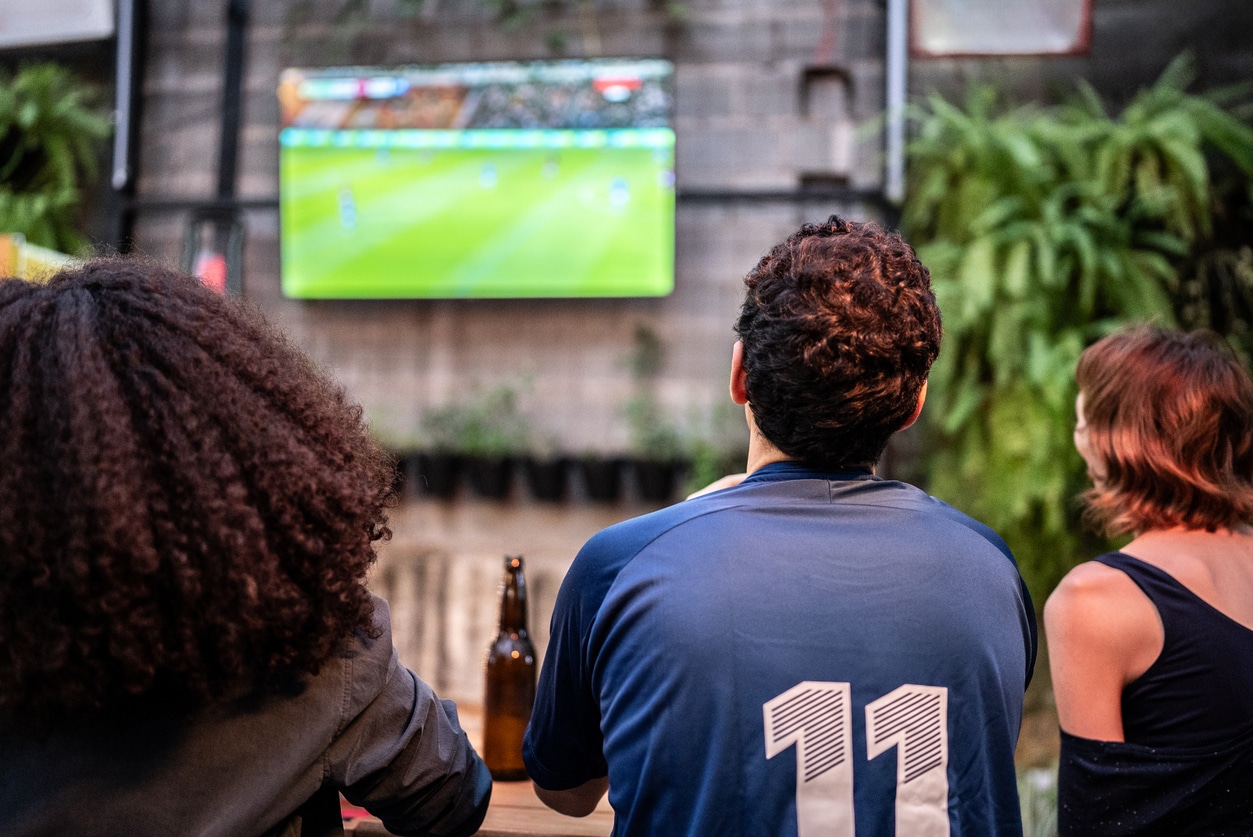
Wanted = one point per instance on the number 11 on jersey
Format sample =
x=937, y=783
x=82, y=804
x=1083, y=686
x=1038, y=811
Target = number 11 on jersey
x=816, y=717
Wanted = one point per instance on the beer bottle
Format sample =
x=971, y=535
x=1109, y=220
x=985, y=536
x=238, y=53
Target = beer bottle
x=510, y=686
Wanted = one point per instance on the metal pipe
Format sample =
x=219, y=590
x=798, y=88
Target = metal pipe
x=897, y=65
x=123, y=93
x=127, y=104
x=232, y=92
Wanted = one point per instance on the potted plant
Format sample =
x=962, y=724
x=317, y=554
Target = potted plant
x=718, y=449
x=487, y=434
x=395, y=435
x=658, y=447
x=547, y=472
x=657, y=444
x=602, y=476
x=1045, y=228
x=49, y=130
x=435, y=469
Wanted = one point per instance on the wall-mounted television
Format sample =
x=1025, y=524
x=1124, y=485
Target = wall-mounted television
x=489, y=180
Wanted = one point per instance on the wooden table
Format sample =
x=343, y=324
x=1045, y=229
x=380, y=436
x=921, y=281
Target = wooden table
x=515, y=810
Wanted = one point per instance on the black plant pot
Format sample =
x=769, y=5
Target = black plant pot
x=434, y=474
x=548, y=479
x=490, y=476
x=401, y=478
x=602, y=478
x=655, y=481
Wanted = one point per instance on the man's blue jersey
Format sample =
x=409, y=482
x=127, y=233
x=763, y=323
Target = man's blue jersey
x=806, y=653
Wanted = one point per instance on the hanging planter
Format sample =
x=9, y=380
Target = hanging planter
x=490, y=477
x=655, y=480
x=433, y=474
x=486, y=433
x=602, y=478
x=547, y=477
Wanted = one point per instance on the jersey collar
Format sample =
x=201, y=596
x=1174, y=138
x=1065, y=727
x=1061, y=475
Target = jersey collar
x=779, y=471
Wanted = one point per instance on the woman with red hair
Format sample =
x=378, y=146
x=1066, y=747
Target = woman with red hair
x=1151, y=647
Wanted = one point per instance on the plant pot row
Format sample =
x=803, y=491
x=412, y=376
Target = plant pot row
x=551, y=480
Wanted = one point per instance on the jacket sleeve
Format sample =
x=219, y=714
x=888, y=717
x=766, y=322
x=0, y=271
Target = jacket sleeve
x=401, y=753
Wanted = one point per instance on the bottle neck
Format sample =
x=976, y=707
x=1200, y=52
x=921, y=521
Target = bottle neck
x=513, y=600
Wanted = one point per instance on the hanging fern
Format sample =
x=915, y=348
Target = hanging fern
x=49, y=130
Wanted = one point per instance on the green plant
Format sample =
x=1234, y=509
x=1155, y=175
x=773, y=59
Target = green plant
x=1045, y=228
x=1037, y=796
x=489, y=426
x=49, y=127
x=719, y=448
x=654, y=435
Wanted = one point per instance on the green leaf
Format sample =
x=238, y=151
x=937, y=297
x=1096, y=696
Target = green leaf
x=978, y=277
x=1017, y=279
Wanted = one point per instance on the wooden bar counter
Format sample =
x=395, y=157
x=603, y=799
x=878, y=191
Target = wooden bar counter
x=514, y=811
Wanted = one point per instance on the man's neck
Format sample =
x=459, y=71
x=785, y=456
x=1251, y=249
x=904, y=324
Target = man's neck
x=762, y=452
x=761, y=455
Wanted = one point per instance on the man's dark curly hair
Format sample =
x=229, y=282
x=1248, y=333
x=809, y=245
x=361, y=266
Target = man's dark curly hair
x=840, y=328
x=188, y=508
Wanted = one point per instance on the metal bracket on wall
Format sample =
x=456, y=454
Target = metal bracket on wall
x=817, y=76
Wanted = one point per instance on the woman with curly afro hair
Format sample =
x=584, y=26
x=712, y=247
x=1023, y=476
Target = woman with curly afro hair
x=188, y=510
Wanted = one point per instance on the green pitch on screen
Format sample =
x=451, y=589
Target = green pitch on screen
x=393, y=223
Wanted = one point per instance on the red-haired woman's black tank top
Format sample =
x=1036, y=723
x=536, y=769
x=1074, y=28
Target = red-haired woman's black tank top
x=1200, y=689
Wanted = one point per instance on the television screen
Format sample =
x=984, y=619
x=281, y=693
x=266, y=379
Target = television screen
x=501, y=179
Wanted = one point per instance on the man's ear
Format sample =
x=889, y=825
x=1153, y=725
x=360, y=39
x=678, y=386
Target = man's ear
x=739, y=389
x=922, y=397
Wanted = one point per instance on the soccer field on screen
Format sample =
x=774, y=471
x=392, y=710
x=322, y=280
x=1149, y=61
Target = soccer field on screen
x=476, y=222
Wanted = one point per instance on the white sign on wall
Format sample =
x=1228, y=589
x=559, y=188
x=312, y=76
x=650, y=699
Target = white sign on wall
x=27, y=23
x=999, y=27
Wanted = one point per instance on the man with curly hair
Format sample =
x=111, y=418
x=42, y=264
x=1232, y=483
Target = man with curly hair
x=187, y=513
x=814, y=650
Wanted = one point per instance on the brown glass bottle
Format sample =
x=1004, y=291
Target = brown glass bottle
x=510, y=687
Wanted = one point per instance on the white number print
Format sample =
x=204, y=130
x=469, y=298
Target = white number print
x=914, y=720
x=816, y=717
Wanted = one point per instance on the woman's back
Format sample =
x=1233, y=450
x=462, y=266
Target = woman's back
x=1205, y=650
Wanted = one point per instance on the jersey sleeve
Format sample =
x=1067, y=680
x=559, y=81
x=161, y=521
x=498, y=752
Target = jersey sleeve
x=563, y=747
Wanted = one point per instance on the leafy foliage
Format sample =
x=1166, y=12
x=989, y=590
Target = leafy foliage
x=49, y=128
x=1045, y=228
x=488, y=426
x=720, y=447
x=654, y=435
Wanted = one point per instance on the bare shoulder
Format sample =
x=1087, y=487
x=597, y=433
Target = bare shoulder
x=1099, y=613
x=1102, y=632
x=1095, y=598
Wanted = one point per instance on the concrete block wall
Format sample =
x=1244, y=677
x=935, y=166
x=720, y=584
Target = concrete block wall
x=740, y=124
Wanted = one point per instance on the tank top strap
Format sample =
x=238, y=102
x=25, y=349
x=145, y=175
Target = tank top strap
x=1200, y=687
x=1163, y=590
